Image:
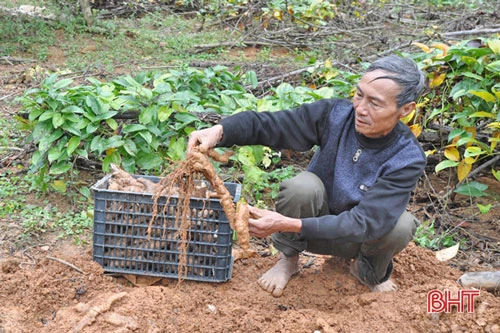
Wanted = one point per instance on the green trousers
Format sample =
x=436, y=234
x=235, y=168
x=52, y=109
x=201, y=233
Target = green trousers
x=305, y=196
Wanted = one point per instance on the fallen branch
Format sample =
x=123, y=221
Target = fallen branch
x=470, y=32
x=11, y=60
x=67, y=264
x=204, y=47
x=275, y=79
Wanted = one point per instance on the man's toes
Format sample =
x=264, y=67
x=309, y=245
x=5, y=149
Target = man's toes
x=385, y=286
x=277, y=292
x=263, y=283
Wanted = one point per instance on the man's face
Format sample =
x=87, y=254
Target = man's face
x=376, y=106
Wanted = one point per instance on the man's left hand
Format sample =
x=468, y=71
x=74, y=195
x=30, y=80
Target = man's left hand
x=263, y=222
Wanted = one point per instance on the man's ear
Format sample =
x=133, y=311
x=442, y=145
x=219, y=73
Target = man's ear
x=407, y=109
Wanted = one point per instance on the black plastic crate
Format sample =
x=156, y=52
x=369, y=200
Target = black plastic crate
x=121, y=243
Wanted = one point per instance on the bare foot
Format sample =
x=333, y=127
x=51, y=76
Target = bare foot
x=275, y=280
x=382, y=287
x=385, y=286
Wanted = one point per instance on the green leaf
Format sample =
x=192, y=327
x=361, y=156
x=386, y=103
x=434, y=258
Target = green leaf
x=484, y=209
x=176, y=148
x=482, y=114
x=46, y=115
x=472, y=75
x=130, y=147
x=147, y=137
x=57, y=120
x=92, y=127
x=62, y=83
x=494, y=66
x=46, y=142
x=488, y=97
x=472, y=189
x=147, y=114
x=445, y=164
x=494, y=45
x=115, y=142
x=496, y=174
x=34, y=113
x=105, y=115
x=54, y=154
x=185, y=118
x=114, y=158
x=253, y=173
x=37, y=157
x=73, y=143
x=60, y=168
x=245, y=156
x=251, y=79
x=85, y=191
x=98, y=144
x=93, y=104
x=164, y=113
x=83, y=153
x=112, y=124
x=473, y=151
x=148, y=161
x=465, y=140
x=59, y=186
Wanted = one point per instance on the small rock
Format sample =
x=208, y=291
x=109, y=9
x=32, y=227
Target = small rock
x=481, y=322
x=212, y=308
x=495, y=328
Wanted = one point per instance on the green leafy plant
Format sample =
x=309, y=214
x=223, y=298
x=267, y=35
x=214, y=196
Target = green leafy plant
x=427, y=236
x=39, y=217
x=141, y=122
x=464, y=98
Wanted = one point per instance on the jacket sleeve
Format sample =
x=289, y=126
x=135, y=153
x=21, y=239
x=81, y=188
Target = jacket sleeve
x=299, y=129
x=375, y=215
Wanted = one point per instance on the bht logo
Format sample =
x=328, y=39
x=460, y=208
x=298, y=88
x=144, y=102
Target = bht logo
x=438, y=301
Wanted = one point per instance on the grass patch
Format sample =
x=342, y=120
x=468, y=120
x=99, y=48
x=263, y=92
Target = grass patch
x=37, y=216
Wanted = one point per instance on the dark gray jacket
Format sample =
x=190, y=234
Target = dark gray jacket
x=368, y=181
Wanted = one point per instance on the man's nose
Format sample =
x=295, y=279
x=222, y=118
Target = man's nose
x=361, y=107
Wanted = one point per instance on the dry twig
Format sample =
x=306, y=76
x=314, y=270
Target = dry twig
x=67, y=264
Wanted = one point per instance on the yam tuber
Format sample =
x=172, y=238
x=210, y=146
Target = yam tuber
x=183, y=183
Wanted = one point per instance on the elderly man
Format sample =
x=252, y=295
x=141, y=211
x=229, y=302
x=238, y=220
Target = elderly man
x=351, y=202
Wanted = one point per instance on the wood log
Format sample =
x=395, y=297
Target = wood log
x=484, y=280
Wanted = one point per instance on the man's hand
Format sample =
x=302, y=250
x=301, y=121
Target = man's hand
x=263, y=223
x=206, y=138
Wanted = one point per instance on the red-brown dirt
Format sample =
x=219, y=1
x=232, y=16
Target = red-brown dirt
x=44, y=295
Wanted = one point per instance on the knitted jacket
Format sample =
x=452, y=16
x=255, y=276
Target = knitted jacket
x=368, y=181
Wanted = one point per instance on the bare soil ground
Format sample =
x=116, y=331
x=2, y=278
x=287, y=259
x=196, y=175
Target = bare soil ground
x=44, y=295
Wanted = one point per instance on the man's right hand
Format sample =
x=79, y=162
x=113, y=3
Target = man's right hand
x=206, y=138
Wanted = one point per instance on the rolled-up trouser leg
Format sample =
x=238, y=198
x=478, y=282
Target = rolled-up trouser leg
x=301, y=196
x=305, y=196
x=374, y=259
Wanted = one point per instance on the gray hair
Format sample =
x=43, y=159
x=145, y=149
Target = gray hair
x=405, y=73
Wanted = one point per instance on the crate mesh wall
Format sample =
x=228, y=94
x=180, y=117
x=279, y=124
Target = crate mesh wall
x=122, y=244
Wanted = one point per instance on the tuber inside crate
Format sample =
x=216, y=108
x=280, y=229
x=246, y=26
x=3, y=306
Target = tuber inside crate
x=128, y=240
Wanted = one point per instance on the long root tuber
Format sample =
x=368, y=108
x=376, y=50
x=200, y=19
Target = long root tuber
x=183, y=183
x=241, y=226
